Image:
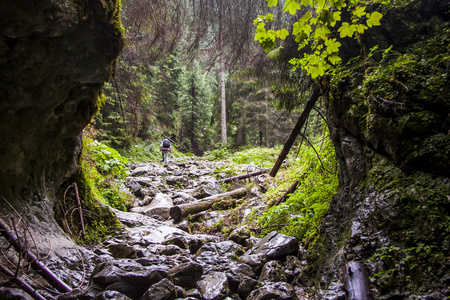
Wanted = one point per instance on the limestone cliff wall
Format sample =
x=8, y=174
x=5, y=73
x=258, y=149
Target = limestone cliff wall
x=389, y=120
x=55, y=56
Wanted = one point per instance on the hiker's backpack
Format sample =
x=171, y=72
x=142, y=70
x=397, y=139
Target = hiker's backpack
x=166, y=144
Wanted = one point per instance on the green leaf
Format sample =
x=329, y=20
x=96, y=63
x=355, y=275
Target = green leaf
x=282, y=34
x=359, y=11
x=373, y=19
x=269, y=17
x=332, y=46
x=271, y=3
x=320, y=4
x=305, y=18
x=305, y=3
x=292, y=6
x=346, y=30
x=271, y=34
x=260, y=33
x=334, y=59
x=317, y=71
x=361, y=28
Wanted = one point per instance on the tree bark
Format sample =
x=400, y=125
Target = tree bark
x=301, y=121
x=291, y=189
x=243, y=176
x=223, y=110
x=35, y=263
x=181, y=211
x=356, y=281
x=223, y=101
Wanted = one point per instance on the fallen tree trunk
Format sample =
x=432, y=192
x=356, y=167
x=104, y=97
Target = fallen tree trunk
x=301, y=121
x=181, y=211
x=25, y=286
x=356, y=281
x=32, y=259
x=243, y=176
x=290, y=190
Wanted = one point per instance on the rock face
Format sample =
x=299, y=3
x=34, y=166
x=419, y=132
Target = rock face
x=54, y=58
x=390, y=127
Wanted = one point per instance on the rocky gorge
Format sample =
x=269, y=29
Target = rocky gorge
x=155, y=257
x=388, y=119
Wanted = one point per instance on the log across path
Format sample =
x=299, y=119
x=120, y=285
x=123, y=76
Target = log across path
x=181, y=211
x=243, y=176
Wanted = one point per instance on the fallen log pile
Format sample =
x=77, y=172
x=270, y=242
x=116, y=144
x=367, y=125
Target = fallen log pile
x=181, y=211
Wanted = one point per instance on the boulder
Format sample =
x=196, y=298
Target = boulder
x=275, y=246
x=240, y=235
x=163, y=290
x=142, y=170
x=158, y=208
x=272, y=271
x=186, y=275
x=238, y=274
x=214, y=286
x=271, y=290
x=219, y=255
x=109, y=295
x=121, y=250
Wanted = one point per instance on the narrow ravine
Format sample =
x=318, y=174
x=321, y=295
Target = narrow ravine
x=158, y=258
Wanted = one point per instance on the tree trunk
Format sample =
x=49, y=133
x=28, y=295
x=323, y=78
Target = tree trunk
x=181, y=211
x=223, y=127
x=223, y=101
x=301, y=121
x=240, y=130
x=267, y=123
x=243, y=176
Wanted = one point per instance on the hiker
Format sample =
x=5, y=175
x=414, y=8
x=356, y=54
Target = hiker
x=165, y=149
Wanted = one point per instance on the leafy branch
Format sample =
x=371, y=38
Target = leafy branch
x=314, y=29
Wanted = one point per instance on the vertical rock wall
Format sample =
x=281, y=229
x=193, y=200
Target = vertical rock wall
x=389, y=120
x=54, y=58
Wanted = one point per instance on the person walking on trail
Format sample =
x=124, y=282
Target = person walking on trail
x=165, y=149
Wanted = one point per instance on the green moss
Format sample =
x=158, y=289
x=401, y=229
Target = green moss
x=101, y=169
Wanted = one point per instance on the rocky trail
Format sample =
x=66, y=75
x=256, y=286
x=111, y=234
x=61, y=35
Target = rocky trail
x=207, y=255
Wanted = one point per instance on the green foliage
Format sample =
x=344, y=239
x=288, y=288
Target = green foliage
x=301, y=214
x=142, y=152
x=315, y=30
x=101, y=171
x=262, y=157
x=108, y=160
x=412, y=266
x=218, y=154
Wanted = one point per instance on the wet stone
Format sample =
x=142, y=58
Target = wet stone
x=163, y=290
x=271, y=290
x=186, y=275
x=121, y=250
x=272, y=271
x=275, y=246
x=107, y=295
x=214, y=286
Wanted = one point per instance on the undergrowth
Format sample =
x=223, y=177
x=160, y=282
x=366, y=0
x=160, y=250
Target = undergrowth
x=100, y=181
x=315, y=169
x=143, y=152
